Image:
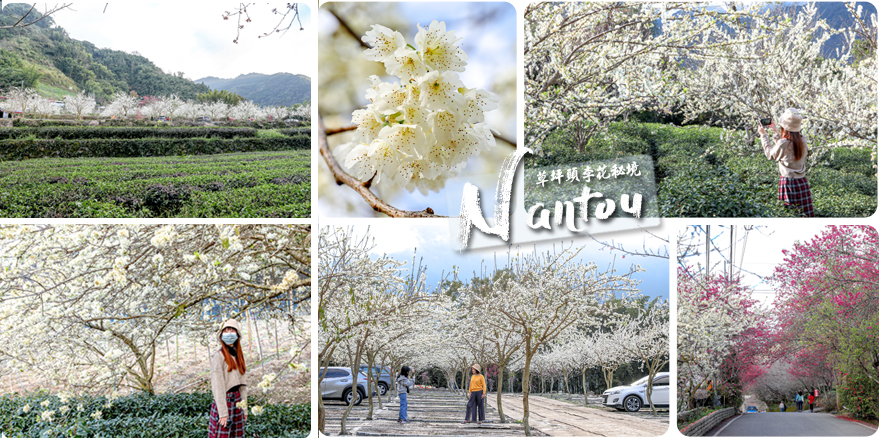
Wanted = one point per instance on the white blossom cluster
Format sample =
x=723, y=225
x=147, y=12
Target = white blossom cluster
x=419, y=131
x=124, y=105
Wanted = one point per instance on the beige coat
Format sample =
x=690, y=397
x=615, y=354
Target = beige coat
x=783, y=153
x=223, y=380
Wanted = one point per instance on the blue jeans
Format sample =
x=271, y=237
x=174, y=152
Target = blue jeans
x=403, y=406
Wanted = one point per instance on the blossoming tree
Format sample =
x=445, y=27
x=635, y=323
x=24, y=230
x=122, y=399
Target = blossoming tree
x=90, y=305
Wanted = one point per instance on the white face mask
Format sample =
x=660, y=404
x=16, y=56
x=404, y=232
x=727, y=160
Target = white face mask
x=229, y=338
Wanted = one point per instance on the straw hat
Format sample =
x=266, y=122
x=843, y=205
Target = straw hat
x=477, y=367
x=791, y=120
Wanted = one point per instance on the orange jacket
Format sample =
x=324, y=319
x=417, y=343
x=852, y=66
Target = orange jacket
x=477, y=383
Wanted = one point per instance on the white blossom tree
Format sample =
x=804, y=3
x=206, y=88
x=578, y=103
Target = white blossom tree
x=79, y=104
x=88, y=305
x=546, y=295
x=648, y=342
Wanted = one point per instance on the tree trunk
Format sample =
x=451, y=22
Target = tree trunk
x=526, y=386
x=500, y=387
x=355, y=370
x=585, y=396
x=370, y=382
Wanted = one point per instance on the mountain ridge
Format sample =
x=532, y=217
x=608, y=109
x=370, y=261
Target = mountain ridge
x=283, y=89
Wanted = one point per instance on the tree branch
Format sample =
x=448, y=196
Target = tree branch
x=360, y=187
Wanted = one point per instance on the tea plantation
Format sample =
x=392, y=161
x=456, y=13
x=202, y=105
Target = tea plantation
x=154, y=171
x=700, y=175
x=140, y=415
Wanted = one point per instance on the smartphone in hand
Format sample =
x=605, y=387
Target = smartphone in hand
x=766, y=122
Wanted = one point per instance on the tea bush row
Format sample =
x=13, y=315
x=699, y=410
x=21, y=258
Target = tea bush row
x=144, y=147
x=137, y=415
x=97, y=133
x=257, y=184
x=701, y=175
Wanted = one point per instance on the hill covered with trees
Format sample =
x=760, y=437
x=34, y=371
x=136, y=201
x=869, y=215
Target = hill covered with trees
x=284, y=89
x=43, y=56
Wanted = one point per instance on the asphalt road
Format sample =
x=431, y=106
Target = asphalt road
x=790, y=424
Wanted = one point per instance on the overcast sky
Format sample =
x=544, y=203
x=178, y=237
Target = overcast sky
x=193, y=37
x=762, y=253
x=400, y=238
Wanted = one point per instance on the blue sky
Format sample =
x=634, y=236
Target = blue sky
x=430, y=240
x=192, y=37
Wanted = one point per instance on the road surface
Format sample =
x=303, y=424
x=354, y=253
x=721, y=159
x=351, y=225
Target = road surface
x=557, y=418
x=790, y=424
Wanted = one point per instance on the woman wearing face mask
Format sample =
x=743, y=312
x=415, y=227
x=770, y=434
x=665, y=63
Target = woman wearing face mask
x=228, y=385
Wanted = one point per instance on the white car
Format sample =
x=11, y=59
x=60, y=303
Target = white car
x=634, y=396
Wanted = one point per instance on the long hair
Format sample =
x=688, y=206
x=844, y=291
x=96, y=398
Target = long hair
x=798, y=142
x=236, y=362
x=405, y=371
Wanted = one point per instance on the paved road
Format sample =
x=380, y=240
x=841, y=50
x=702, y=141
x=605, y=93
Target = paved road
x=790, y=424
x=558, y=418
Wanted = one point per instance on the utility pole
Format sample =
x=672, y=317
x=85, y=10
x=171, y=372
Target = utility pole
x=732, y=246
x=707, y=250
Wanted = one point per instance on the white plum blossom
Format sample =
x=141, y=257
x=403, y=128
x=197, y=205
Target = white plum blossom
x=419, y=131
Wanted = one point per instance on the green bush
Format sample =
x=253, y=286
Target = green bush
x=858, y=394
x=252, y=184
x=857, y=161
x=147, y=147
x=699, y=191
x=295, y=131
x=138, y=415
x=97, y=133
x=699, y=175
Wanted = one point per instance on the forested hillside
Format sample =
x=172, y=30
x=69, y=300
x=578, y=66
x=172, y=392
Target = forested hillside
x=283, y=89
x=43, y=56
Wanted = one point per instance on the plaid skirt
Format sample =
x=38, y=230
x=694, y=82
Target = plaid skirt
x=234, y=424
x=795, y=193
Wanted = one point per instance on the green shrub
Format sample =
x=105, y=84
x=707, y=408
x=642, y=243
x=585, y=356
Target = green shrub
x=149, y=147
x=269, y=133
x=97, y=133
x=858, y=394
x=295, y=131
x=251, y=184
x=139, y=415
x=835, y=201
x=855, y=160
x=698, y=191
x=826, y=177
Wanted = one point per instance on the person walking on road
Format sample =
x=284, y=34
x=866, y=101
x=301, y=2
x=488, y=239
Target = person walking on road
x=477, y=396
x=812, y=402
x=782, y=407
x=799, y=400
x=403, y=385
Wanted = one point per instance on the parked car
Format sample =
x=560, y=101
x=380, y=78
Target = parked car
x=203, y=119
x=382, y=375
x=752, y=409
x=163, y=119
x=337, y=383
x=634, y=396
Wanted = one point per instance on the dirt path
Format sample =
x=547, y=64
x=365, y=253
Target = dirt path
x=557, y=418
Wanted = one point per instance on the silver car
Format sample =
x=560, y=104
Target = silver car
x=632, y=397
x=337, y=383
x=382, y=375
